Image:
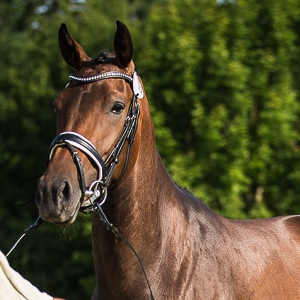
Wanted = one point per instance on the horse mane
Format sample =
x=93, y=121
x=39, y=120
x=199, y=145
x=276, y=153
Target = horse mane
x=105, y=56
x=185, y=189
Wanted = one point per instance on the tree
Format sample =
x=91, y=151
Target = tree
x=228, y=98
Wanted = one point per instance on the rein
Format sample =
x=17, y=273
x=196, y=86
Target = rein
x=96, y=193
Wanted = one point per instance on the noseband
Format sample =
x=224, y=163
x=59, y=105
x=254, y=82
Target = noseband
x=96, y=193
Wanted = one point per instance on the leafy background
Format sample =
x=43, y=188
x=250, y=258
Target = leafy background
x=222, y=78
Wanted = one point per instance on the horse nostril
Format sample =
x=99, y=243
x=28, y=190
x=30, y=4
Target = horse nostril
x=64, y=193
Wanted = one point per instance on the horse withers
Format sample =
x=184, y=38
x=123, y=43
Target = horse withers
x=105, y=159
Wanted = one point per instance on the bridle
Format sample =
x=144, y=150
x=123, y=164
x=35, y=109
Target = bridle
x=96, y=193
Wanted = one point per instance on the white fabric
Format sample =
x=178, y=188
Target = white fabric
x=14, y=287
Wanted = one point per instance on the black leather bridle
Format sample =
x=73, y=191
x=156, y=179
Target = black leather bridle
x=96, y=193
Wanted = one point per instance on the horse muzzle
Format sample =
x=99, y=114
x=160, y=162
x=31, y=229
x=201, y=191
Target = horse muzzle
x=56, y=200
x=62, y=191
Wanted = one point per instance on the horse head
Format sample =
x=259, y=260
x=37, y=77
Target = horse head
x=97, y=117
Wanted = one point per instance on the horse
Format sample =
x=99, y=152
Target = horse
x=105, y=137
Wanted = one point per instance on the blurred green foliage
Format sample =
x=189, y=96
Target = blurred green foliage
x=222, y=81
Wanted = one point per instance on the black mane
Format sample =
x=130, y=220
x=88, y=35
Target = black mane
x=104, y=57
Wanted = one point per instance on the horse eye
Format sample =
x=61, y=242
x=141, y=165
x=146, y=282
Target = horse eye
x=118, y=108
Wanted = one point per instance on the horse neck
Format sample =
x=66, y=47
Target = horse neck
x=139, y=206
x=133, y=207
x=141, y=198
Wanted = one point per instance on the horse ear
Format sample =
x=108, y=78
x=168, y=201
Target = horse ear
x=71, y=51
x=123, y=45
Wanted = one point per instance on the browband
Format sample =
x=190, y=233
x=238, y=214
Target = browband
x=101, y=76
x=136, y=85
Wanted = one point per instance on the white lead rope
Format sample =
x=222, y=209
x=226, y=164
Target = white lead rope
x=35, y=225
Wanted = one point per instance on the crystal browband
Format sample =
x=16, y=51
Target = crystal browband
x=101, y=76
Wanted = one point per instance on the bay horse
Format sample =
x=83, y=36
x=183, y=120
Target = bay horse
x=106, y=139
